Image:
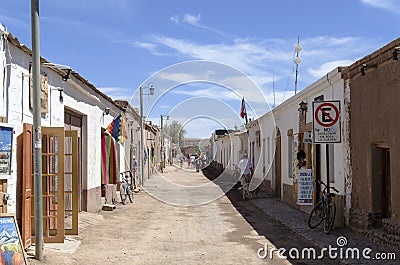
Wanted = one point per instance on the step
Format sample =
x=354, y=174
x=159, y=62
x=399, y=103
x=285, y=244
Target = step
x=108, y=207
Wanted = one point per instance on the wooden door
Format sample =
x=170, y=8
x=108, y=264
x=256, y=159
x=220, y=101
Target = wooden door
x=71, y=182
x=52, y=185
x=27, y=184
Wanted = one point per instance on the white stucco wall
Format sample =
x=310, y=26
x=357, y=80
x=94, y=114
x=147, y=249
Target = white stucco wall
x=227, y=150
x=285, y=117
x=14, y=104
x=90, y=105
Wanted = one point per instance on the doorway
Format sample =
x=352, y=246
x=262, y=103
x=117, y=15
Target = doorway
x=381, y=181
x=74, y=122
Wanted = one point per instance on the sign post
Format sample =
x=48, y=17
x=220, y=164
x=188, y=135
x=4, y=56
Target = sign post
x=326, y=122
x=326, y=127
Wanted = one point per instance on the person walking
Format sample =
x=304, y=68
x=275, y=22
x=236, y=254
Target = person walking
x=246, y=168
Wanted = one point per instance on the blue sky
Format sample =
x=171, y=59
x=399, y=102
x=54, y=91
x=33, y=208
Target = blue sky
x=119, y=45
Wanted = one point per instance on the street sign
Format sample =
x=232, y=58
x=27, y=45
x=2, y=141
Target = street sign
x=307, y=138
x=326, y=122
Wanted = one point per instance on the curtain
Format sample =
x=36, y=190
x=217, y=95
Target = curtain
x=109, y=159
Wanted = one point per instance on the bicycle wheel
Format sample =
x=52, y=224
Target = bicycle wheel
x=316, y=216
x=122, y=192
x=130, y=194
x=330, y=217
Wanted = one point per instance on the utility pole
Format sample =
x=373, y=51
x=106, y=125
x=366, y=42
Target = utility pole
x=297, y=61
x=162, y=146
x=37, y=134
x=141, y=138
x=162, y=143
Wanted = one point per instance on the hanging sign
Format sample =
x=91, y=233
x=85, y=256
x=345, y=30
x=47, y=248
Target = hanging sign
x=6, y=137
x=305, y=187
x=326, y=122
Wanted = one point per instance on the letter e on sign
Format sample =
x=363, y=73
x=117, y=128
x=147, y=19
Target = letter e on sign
x=326, y=122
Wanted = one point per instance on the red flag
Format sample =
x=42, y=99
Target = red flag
x=243, y=109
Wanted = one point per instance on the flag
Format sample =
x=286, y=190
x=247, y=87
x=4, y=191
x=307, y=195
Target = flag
x=117, y=129
x=243, y=113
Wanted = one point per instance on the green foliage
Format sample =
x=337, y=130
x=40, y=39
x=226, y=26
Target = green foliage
x=175, y=131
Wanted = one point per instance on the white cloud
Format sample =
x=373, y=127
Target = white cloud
x=153, y=48
x=241, y=55
x=392, y=6
x=259, y=58
x=194, y=21
x=117, y=92
x=177, y=77
x=262, y=61
x=327, y=67
x=175, y=19
x=218, y=93
x=191, y=19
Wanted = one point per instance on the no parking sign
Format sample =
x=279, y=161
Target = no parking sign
x=326, y=122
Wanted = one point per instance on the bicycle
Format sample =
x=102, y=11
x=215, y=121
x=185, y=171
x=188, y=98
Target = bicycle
x=324, y=210
x=126, y=188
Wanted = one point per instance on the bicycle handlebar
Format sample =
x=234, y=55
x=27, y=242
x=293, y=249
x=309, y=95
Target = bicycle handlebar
x=321, y=182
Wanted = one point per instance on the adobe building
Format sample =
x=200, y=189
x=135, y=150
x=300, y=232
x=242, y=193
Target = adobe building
x=374, y=85
x=74, y=118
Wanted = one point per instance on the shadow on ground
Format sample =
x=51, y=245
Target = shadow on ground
x=278, y=234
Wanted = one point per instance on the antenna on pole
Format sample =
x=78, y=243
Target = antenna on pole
x=297, y=61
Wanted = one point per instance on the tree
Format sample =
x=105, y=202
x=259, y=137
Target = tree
x=175, y=131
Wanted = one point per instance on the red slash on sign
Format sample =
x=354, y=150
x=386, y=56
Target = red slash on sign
x=327, y=119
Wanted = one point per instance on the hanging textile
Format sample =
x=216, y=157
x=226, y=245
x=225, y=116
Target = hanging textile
x=117, y=129
x=109, y=160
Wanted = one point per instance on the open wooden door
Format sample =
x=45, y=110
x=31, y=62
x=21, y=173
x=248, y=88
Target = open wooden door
x=27, y=184
x=71, y=182
x=52, y=185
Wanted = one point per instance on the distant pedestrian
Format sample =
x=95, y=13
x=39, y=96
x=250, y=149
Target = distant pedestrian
x=134, y=168
x=198, y=163
x=246, y=168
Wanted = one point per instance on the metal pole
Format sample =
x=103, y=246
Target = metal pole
x=141, y=137
x=162, y=146
x=297, y=67
x=327, y=167
x=37, y=137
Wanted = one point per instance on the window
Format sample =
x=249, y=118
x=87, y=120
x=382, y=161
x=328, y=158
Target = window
x=258, y=143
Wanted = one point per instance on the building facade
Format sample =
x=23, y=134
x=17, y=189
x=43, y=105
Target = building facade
x=373, y=87
x=78, y=155
x=287, y=129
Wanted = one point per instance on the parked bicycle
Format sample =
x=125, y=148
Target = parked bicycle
x=324, y=210
x=126, y=187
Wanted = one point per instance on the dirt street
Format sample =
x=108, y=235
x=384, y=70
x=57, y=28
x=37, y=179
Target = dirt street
x=226, y=230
